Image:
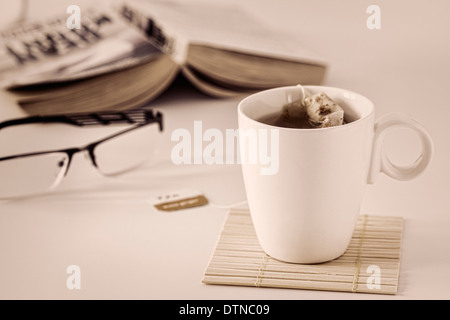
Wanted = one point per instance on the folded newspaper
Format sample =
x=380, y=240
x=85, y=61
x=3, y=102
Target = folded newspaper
x=48, y=51
x=124, y=56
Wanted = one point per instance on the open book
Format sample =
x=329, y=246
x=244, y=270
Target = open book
x=123, y=57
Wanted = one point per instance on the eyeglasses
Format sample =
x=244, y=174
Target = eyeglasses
x=35, y=173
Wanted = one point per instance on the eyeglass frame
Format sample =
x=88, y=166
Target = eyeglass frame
x=139, y=117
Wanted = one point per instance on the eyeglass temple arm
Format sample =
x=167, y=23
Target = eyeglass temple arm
x=140, y=116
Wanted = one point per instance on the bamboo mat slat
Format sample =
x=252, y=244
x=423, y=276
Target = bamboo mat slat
x=371, y=263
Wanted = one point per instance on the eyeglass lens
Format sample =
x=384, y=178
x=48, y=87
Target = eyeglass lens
x=32, y=175
x=126, y=151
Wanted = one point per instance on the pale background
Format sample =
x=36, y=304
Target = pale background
x=126, y=250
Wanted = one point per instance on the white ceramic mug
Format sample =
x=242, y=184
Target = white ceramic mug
x=307, y=211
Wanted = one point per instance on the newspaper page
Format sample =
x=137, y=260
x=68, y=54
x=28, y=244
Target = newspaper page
x=48, y=51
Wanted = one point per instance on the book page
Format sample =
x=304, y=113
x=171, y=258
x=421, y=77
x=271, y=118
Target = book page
x=223, y=26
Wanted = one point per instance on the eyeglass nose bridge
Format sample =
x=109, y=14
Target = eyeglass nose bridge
x=70, y=153
x=88, y=152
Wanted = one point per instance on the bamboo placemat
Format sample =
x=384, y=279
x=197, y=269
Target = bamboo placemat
x=371, y=263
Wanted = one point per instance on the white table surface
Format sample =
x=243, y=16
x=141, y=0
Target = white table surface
x=126, y=250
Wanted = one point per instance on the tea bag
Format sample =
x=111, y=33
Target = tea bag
x=323, y=112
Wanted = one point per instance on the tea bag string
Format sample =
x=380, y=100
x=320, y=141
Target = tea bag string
x=228, y=206
x=303, y=94
x=290, y=98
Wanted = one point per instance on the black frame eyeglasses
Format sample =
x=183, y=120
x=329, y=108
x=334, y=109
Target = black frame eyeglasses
x=34, y=173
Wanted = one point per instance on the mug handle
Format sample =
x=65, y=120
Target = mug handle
x=380, y=161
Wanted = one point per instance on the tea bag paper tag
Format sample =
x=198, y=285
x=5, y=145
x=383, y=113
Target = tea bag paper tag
x=178, y=200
